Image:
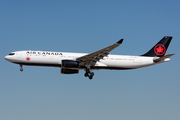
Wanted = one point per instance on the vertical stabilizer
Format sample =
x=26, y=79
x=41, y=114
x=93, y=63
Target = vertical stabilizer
x=160, y=48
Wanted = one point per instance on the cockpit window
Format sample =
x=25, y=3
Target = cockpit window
x=11, y=53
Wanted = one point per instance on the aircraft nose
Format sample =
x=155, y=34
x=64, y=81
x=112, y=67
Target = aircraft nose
x=7, y=58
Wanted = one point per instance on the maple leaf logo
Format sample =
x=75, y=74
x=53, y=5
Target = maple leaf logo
x=28, y=58
x=159, y=49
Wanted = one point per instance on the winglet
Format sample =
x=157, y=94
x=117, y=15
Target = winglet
x=120, y=41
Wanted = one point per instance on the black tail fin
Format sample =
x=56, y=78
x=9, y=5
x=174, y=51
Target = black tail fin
x=160, y=48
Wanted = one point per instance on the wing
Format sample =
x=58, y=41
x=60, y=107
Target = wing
x=92, y=58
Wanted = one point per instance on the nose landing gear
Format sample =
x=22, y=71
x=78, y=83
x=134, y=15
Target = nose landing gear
x=21, y=69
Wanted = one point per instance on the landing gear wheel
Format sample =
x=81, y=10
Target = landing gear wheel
x=90, y=77
x=86, y=74
x=92, y=73
x=21, y=69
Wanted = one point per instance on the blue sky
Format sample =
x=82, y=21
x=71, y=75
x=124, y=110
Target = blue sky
x=86, y=26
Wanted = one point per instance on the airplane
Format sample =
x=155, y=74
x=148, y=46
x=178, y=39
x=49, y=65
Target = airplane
x=71, y=63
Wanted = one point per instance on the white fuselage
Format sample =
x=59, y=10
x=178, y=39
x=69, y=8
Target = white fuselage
x=53, y=59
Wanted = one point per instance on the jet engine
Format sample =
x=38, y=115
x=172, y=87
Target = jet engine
x=69, y=71
x=70, y=64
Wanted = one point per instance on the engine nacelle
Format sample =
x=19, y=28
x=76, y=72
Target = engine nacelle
x=70, y=64
x=69, y=71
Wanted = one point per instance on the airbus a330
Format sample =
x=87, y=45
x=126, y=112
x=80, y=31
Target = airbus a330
x=71, y=63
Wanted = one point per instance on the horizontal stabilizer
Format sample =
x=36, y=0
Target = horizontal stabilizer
x=162, y=58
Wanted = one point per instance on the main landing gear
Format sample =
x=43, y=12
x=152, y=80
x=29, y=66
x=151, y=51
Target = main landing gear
x=21, y=69
x=89, y=73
